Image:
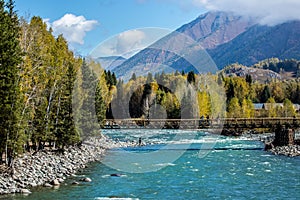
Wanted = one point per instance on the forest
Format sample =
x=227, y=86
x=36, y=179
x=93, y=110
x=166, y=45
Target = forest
x=51, y=97
x=189, y=96
x=39, y=78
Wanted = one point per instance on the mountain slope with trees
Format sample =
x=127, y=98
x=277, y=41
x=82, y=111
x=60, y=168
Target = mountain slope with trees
x=259, y=43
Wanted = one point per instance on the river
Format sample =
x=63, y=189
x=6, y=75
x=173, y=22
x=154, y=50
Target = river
x=182, y=164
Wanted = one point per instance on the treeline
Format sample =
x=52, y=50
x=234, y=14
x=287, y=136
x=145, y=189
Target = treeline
x=45, y=90
x=167, y=96
x=279, y=96
x=181, y=95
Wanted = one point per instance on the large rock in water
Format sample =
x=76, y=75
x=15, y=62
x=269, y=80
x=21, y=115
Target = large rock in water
x=47, y=185
x=75, y=183
x=86, y=179
x=55, y=182
x=25, y=191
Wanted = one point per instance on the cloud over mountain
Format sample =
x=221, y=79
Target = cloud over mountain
x=129, y=42
x=74, y=28
x=267, y=12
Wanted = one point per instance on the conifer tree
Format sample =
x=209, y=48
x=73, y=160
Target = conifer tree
x=114, y=79
x=191, y=77
x=119, y=103
x=10, y=95
x=133, y=77
x=100, y=104
x=66, y=133
x=88, y=124
x=230, y=90
x=149, y=78
x=266, y=94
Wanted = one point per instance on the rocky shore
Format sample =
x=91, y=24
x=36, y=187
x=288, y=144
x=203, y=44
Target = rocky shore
x=49, y=168
x=268, y=139
x=291, y=151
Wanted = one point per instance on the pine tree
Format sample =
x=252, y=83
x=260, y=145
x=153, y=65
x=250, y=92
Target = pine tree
x=230, y=91
x=100, y=105
x=177, y=73
x=249, y=79
x=66, y=133
x=220, y=78
x=10, y=95
x=119, y=103
x=114, y=79
x=88, y=125
x=133, y=77
x=266, y=94
x=149, y=78
x=191, y=77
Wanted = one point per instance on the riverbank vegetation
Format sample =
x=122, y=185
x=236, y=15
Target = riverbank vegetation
x=39, y=75
x=195, y=96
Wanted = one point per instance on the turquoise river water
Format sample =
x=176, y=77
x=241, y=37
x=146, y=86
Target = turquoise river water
x=210, y=167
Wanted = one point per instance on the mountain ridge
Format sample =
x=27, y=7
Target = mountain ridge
x=226, y=38
x=259, y=43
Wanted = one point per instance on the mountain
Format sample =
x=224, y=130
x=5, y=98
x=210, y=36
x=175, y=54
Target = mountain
x=185, y=47
x=215, y=39
x=110, y=62
x=259, y=43
x=215, y=28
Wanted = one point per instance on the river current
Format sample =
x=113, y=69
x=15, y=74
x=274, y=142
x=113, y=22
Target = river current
x=190, y=165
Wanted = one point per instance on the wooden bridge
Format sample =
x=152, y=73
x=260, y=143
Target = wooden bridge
x=227, y=123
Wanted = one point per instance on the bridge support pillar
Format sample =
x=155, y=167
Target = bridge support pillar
x=284, y=136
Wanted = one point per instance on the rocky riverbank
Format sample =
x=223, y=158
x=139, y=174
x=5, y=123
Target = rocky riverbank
x=291, y=151
x=268, y=139
x=49, y=168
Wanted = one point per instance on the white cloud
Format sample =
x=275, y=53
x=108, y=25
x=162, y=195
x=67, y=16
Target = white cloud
x=130, y=41
x=74, y=28
x=125, y=44
x=267, y=12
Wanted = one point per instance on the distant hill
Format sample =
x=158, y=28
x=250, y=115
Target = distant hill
x=226, y=38
x=110, y=62
x=257, y=74
x=266, y=70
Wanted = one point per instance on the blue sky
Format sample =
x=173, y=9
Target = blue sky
x=105, y=18
x=87, y=23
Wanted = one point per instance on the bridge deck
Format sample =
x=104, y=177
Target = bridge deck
x=239, y=123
